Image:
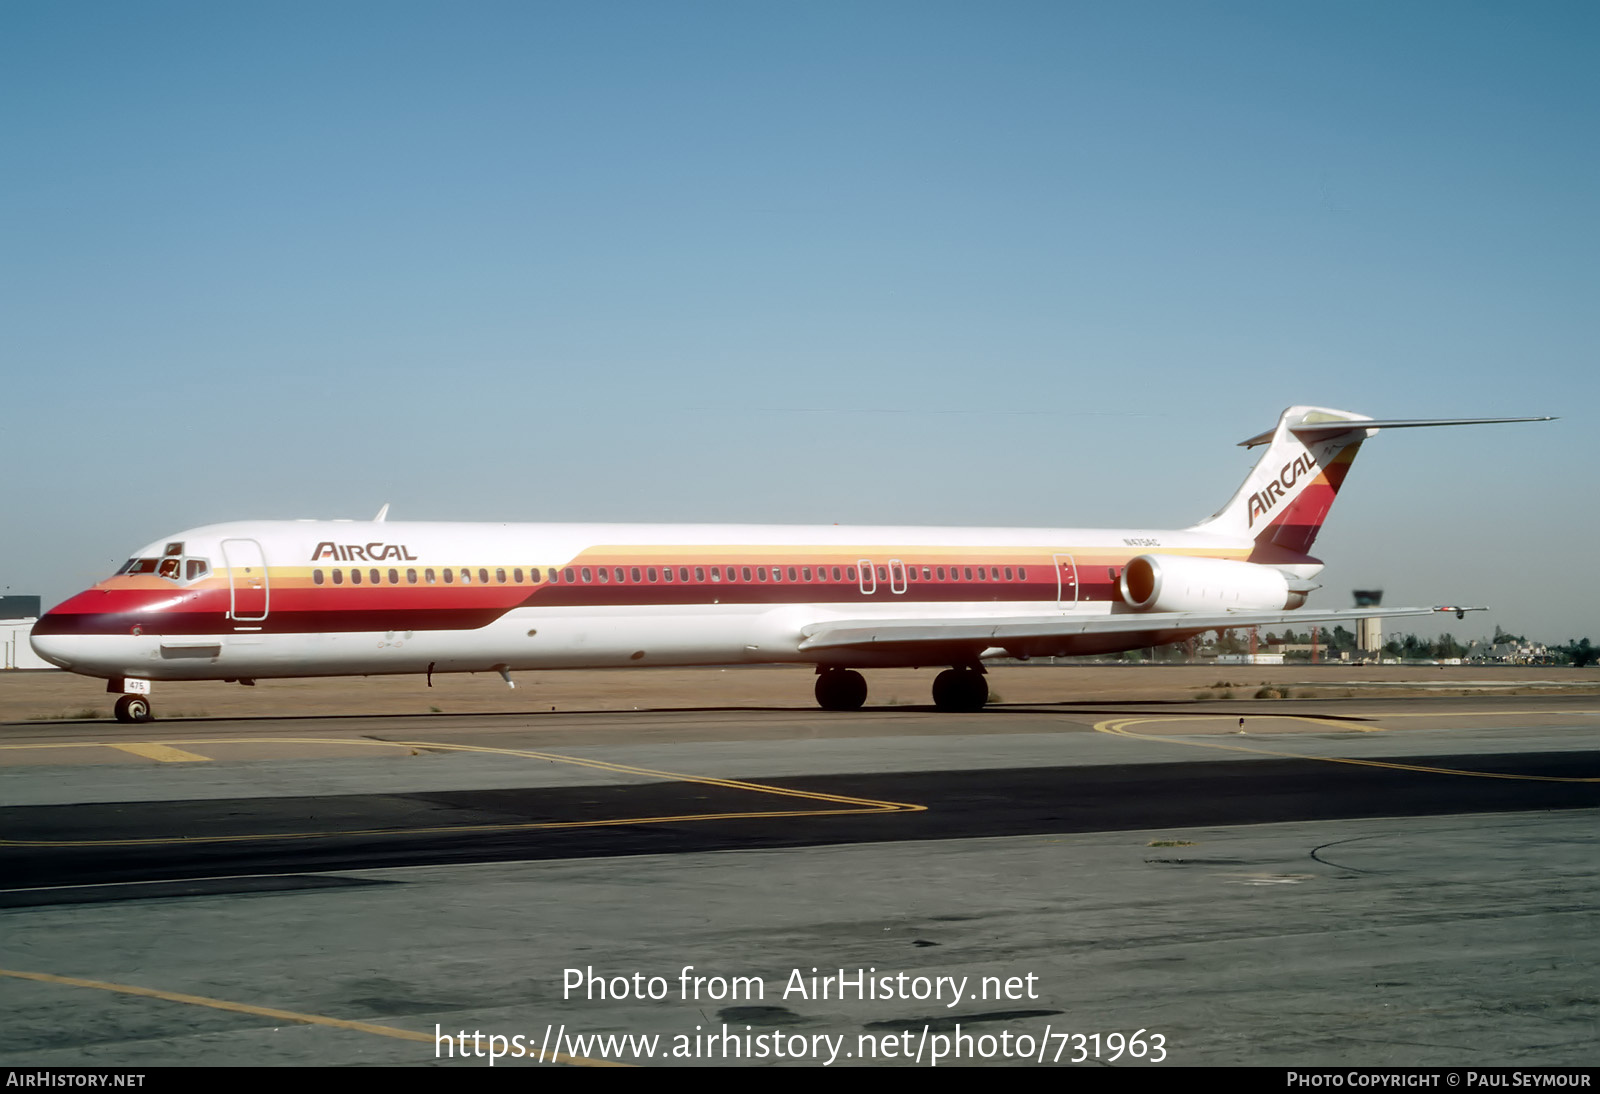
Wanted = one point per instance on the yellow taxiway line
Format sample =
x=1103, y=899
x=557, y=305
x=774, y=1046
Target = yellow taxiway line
x=270, y=1012
x=848, y=805
x=1118, y=727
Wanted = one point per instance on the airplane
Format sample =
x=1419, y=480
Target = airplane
x=275, y=599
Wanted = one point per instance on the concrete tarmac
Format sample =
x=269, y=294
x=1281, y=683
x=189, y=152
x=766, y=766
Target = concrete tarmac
x=1345, y=883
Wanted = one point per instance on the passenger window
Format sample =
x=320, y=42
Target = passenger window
x=716, y=574
x=791, y=573
x=373, y=573
x=806, y=572
x=411, y=577
x=1008, y=573
x=968, y=570
x=666, y=573
x=449, y=576
x=650, y=572
x=316, y=577
x=761, y=573
x=586, y=576
x=744, y=573
x=1022, y=575
x=683, y=573
x=836, y=573
x=850, y=573
x=394, y=577
x=483, y=575
x=499, y=576
x=355, y=577
x=567, y=573
x=466, y=576
x=338, y=577
x=983, y=575
x=429, y=576
x=633, y=575
x=605, y=576
x=941, y=573
x=535, y=577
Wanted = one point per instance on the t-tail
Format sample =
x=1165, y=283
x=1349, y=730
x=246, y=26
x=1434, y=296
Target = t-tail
x=1288, y=493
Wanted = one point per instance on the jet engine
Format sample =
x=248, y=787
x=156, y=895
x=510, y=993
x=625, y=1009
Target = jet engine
x=1177, y=583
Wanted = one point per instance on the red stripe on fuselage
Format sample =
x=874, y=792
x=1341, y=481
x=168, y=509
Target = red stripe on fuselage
x=294, y=606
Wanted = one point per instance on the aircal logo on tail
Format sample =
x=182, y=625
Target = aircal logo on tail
x=362, y=552
x=1266, y=499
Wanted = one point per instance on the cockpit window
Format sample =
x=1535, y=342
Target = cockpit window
x=172, y=565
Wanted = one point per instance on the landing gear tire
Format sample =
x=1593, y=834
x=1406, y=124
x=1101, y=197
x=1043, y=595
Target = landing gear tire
x=962, y=690
x=133, y=708
x=841, y=689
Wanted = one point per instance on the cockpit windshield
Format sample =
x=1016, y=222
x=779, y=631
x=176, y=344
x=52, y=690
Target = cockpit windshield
x=173, y=565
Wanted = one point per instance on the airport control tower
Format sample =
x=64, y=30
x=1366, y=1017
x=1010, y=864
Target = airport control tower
x=1369, y=632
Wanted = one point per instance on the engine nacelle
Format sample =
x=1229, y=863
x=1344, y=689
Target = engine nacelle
x=1177, y=583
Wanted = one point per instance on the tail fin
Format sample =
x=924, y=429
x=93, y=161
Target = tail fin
x=1287, y=494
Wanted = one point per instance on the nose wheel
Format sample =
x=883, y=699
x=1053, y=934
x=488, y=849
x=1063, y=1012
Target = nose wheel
x=133, y=708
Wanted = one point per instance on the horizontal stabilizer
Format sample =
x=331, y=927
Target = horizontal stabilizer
x=1312, y=430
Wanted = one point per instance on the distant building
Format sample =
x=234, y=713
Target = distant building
x=19, y=607
x=1369, y=632
x=1506, y=653
x=18, y=652
x=18, y=614
x=1249, y=658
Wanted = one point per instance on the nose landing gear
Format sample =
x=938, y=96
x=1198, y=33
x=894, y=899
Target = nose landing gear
x=134, y=708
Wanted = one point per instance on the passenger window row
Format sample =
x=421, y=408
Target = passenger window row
x=637, y=575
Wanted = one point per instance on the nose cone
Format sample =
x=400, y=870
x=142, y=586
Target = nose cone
x=67, y=635
x=52, y=637
x=54, y=648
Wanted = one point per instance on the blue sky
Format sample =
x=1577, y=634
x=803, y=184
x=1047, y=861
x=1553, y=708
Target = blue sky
x=1014, y=263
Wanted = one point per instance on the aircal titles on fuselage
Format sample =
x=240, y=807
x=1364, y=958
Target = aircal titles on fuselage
x=362, y=552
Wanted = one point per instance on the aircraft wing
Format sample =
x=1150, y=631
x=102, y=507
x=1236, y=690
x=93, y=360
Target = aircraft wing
x=1069, y=629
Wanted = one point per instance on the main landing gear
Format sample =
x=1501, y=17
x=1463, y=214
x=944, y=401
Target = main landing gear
x=134, y=708
x=961, y=689
x=964, y=689
x=840, y=689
